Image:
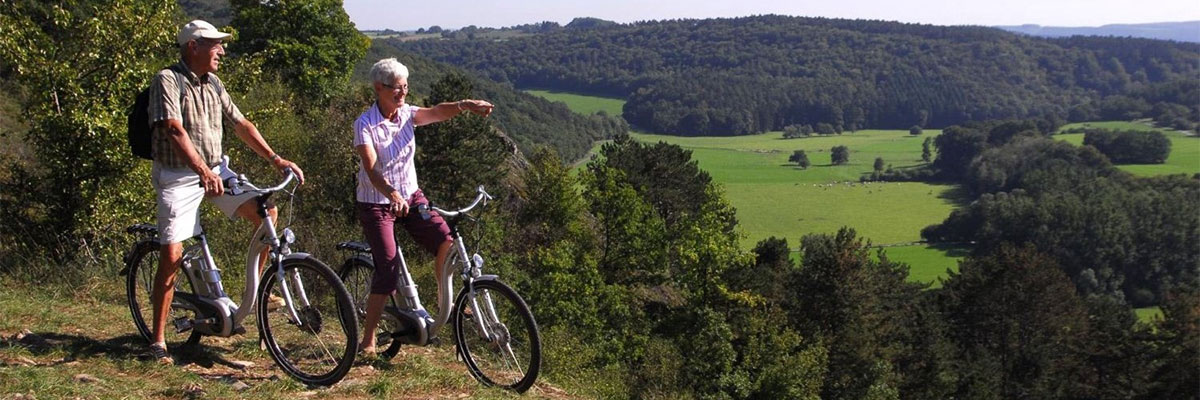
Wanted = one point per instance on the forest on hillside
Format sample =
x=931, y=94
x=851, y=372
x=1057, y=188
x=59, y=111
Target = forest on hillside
x=746, y=75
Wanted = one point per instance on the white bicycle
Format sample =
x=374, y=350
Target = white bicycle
x=313, y=336
x=494, y=331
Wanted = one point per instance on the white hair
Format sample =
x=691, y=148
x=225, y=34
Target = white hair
x=387, y=71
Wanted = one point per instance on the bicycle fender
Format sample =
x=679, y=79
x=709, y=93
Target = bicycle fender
x=487, y=278
x=132, y=250
x=350, y=262
x=301, y=256
x=471, y=288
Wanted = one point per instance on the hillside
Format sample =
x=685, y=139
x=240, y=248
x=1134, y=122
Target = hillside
x=754, y=74
x=1187, y=31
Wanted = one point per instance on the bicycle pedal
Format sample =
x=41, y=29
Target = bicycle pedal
x=182, y=325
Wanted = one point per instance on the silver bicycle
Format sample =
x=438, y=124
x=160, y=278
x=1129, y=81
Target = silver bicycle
x=494, y=331
x=312, y=336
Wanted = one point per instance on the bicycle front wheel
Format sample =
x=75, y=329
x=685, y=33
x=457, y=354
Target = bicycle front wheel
x=497, y=336
x=314, y=337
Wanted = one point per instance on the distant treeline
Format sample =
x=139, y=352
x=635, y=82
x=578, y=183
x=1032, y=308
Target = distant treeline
x=746, y=75
x=529, y=120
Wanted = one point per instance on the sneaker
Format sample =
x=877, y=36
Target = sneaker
x=159, y=353
x=275, y=302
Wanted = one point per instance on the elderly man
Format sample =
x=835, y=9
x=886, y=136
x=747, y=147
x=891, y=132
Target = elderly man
x=188, y=106
x=387, y=184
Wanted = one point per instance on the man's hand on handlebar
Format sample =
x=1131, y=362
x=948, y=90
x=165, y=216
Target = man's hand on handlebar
x=283, y=164
x=212, y=184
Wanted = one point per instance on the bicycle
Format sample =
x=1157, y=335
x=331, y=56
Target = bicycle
x=494, y=331
x=311, y=351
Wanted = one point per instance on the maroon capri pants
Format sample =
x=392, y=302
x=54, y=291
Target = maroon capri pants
x=378, y=225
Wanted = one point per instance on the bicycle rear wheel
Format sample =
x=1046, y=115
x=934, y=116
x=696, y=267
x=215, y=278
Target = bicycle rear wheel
x=139, y=281
x=497, y=336
x=356, y=274
x=316, y=345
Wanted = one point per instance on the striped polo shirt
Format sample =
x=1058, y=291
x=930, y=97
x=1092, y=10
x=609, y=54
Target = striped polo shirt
x=395, y=145
x=200, y=106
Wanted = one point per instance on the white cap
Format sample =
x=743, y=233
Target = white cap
x=199, y=29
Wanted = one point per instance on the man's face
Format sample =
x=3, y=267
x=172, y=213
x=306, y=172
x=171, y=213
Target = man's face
x=210, y=51
x=393, y=92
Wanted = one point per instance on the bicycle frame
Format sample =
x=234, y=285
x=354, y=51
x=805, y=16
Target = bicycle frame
x=208, y=298
x=408, y=300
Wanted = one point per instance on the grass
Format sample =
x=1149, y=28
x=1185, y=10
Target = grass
x=86, y=329
x=775, y=198
x=1148, y=314
x=586, y=105
x=1185, y=149
x=927, y=263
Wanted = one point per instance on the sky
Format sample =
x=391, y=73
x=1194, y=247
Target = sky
x=403, y=15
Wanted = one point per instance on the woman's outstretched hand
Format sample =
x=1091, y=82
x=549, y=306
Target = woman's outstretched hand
x=479, y=107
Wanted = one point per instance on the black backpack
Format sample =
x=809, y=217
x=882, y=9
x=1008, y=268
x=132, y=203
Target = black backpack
x=139, y=130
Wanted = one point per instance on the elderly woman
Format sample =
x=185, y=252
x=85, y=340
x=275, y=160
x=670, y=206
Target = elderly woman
x=387, y=182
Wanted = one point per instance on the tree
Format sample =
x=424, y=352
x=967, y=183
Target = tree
x=462, y=152
x=1129, y=147
x=665, y=174
x=1008, y=167
x=796, y=131
x=767, y=276
x=915, y=130
x=825, y=128
x=311, y=44
x=839, y=155
x=1123, y=360
x=800, y=158
x=926, y=153
x=863, y=307
x=956, y=147
x=82, y=63
x=1179, y=346
x=1019, y=325
x=879, y=164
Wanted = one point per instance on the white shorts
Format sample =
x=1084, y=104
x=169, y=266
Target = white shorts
x=179, y=193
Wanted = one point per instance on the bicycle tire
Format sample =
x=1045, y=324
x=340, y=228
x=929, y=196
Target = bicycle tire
x=327, y=295
x=481, y=354
x=139, y=278
x=356, y=274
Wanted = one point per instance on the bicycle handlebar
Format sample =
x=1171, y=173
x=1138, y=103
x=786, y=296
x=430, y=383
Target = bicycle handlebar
x=242, y=183
x=483, y=196
x=236, y=185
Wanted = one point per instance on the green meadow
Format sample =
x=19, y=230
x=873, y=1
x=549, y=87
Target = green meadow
x=1185, y=149
x=586, y=105
x=776, y=198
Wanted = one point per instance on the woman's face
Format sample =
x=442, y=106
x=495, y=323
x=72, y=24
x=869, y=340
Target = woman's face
x=392, y=93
